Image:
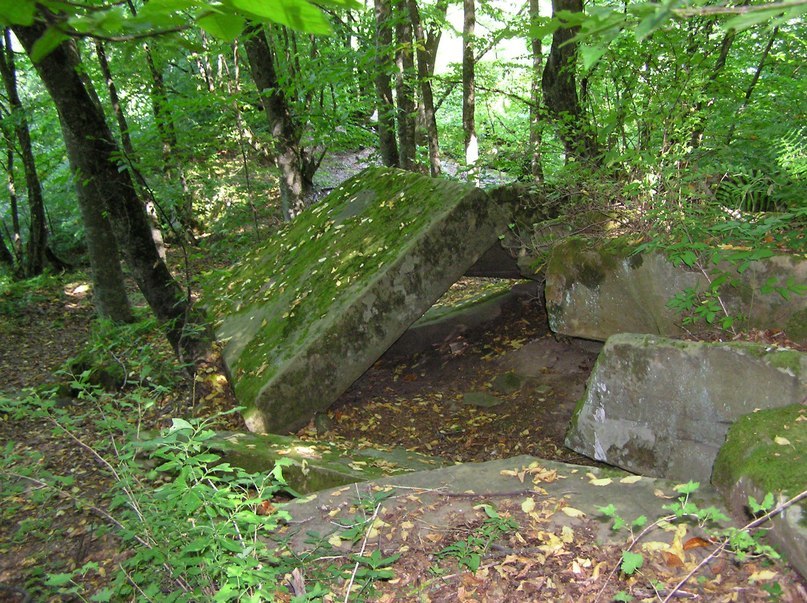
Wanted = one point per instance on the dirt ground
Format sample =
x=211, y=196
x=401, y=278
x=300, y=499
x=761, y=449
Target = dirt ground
x=418, y=401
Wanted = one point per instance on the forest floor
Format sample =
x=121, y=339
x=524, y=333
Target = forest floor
x=45, y=531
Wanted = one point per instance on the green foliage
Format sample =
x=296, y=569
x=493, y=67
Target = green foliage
x=224, y=21
x=743, y=542
x=469, y=552
x=123, y=356
x=197, y=534
x=17, y=296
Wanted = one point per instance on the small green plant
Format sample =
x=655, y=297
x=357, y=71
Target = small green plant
x=742, y=542
x=469, y=552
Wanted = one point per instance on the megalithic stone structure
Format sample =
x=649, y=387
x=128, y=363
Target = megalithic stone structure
x=303, y=316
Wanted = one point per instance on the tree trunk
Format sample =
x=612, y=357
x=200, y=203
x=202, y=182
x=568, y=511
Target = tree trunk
x=434, y=34
x=285, y=131
x=37, y=233
x=559, y=84
x=11, y=188
x=405, y=66
x=536, y=126
x=750, y=90
x=424, y=64
x=386, y=108
x=696, y=138
x=469, y=83
x=104, y=188
x=5, y=255
x=126, y=142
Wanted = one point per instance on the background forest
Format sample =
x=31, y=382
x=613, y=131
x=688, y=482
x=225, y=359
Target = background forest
x=149, y=141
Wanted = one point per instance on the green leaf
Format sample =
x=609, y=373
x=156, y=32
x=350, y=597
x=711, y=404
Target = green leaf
x=17, y=12
x=224, y=27
x=297, y=14
x=179, y=424
x=608, y=511
x=687, y=488
x=590, y=55
x=631, y=562
x=49, y=41
x=58, y=579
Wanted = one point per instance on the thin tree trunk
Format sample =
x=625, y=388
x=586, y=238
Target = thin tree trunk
x=433, y=36
x=37, y=232
x=105, y=189
x=426, y=96
x=284, y=129
x=536, y=126
x=405, y=94
x=386, y=107
x=750, y=90
x=469, y=83
x=11, y=188
x=5, y=255
x=126, y=142
x=559, y=84
x=696, y=138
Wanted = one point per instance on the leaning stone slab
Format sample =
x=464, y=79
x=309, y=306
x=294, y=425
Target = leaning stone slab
x=303, y=316
x=765, y=452
x=662, y=407
x=595, y=292
x=316, y=465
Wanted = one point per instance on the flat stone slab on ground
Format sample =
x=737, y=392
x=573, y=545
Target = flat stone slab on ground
x=457, y=491
x=316, y=465
x=306, y=314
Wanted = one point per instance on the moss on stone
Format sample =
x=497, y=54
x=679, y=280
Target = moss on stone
x=768, y=448
x=796, y=326
x=300, y=275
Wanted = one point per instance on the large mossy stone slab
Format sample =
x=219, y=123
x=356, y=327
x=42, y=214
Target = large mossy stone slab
x=765, y=452
x=597, y=291
x=303, y=316
x=314, y=466
x=662, y=407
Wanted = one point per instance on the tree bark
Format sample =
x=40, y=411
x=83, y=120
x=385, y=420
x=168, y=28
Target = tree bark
x=469, y=83
x=750, y=90
x=536, y=126
x=405, y=66
x=696, y=137
x=105, y=188
x=37, y=232
x=288, y=154
x=126, y=143
x=425, y=64
x=385, y=105
x=5, y=255
x=11, y=188
x=559, y=84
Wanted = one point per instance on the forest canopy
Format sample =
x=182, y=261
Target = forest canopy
x=200, y=110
